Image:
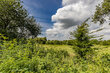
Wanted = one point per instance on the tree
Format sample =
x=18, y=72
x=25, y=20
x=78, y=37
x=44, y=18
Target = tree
x=82, y=37
x=15, y=21
x=102, y=11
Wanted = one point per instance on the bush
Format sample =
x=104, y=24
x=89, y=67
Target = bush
x=18, y=57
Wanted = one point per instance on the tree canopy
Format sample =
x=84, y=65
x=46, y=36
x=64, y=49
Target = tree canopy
x=102, y=11
x=15, y=21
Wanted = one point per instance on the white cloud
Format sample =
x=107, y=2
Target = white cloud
x=54, y=34
x=71, y=14
x=68, y=2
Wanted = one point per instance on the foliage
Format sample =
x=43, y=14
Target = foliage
x=102, y=11
x=83, y=44
x=40, y=40
x=100, y=42
x=105, y=42
x=57, y=42
x=18, y=57
x=43, y=40
x=15, y=21
x=28, y=57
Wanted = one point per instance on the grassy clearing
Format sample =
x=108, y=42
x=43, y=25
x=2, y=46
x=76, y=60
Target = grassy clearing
x=98, y=48
x=99, y=63
x=60, y=47
x=102, y=49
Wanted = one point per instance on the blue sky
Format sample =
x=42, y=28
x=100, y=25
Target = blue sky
x=42, y=10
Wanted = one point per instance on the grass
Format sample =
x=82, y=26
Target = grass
x=67, y=48
x=98, y=48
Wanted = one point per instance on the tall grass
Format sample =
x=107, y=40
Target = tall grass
x=29, y=57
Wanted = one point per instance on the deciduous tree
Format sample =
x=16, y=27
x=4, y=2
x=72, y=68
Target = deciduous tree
x=15, y=21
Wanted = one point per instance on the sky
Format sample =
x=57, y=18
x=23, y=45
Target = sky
x=42, y=10
x=60, y=17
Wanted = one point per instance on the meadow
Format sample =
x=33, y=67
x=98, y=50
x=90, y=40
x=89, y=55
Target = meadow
x=29, y=57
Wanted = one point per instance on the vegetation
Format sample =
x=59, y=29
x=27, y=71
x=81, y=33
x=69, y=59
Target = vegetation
x=15, y=21
x=22, y=54
x=102, y=11
x=20, y=57
x=83, y=44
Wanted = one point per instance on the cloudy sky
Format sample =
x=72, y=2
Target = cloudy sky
x=59, y=17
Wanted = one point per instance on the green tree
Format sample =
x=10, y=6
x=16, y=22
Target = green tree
x=102, y=11
x=15, y=21
x=82, y=37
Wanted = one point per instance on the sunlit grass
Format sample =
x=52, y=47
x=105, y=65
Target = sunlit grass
x=60, y=47
x=99, y=49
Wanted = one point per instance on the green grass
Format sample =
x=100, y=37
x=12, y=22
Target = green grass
x=99, y=49
x=103, y=49
x=67, y=48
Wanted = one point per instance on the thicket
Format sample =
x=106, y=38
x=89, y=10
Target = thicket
x=29, y=57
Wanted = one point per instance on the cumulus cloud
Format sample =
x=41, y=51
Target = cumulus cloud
x=72, y=13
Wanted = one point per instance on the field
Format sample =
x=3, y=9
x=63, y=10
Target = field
x=101, y=57
x=19, y=57
x=60, y=47
x=99, y=48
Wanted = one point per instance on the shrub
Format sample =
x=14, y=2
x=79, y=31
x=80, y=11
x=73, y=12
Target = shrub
x=83, y=44
x=18, y=57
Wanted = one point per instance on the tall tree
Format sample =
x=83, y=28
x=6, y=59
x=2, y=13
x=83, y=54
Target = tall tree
x=102, y=11
x=15, y=21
